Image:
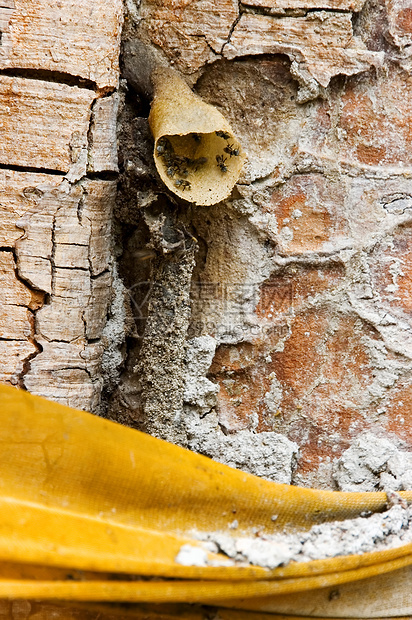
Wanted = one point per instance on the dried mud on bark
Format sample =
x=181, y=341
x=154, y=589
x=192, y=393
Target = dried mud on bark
x=299, y=296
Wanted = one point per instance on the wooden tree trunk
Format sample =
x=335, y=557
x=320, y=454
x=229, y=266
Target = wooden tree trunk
x=58, y=161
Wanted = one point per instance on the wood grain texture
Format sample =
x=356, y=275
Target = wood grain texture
x=70, y=325
x=341, y=5
x=190, y=34
x=66, y=251
x=13, y=292
x=96, y=312
x=40, y=122
x=58, y=120
x=76, y=38
x=98, y=209
x=16, y=321
x=6, y=12
x=34, y=248
x=321, y=43
x=13, y=355
x=67, y=373
x=5, y=15
x=103, y=135
x=20, y=193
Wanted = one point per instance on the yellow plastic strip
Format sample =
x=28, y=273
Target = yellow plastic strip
x=206, y=592
x=348, y=562
x=107, y=611
x=81, y=492
x=36, y=534
x=61, y=457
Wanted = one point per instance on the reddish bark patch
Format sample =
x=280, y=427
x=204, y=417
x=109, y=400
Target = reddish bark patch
x=371, y=121
x=362, y=125
x=285, y=293
x=368, y=154
x=404, y=20
x=324, y=371
x=309, y=381
x=398, y=414
x=306, y=212
x=391, y=267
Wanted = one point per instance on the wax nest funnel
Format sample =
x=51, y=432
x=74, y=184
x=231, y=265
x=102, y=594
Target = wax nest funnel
x=195, y=150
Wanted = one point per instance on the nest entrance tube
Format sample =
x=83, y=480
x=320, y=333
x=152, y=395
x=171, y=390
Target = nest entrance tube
x=195, y=151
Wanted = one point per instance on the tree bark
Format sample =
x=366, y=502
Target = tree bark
x=302, y=276
x=58, y=157
x=301, y=289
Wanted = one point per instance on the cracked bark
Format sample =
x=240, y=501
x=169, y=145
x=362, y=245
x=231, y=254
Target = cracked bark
x=58, y=162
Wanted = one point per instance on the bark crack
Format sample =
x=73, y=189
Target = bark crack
x=33, y=336
x=33, y=169
x=233, y=26
x=47, y=75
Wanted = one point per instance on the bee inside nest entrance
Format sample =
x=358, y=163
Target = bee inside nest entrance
x=201, y=168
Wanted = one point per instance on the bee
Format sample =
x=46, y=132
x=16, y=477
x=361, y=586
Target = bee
x=179, y=164
x=184, y=185
x=182, y=170
x=231, y=151
x=223, y=134
x=163, y=147
x=173, y=164
x=198, y=163
x=221, y=163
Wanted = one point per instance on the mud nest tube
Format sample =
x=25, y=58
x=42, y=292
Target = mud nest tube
x=195, y=151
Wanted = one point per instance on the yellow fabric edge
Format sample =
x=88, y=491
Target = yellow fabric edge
x=206, y=592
